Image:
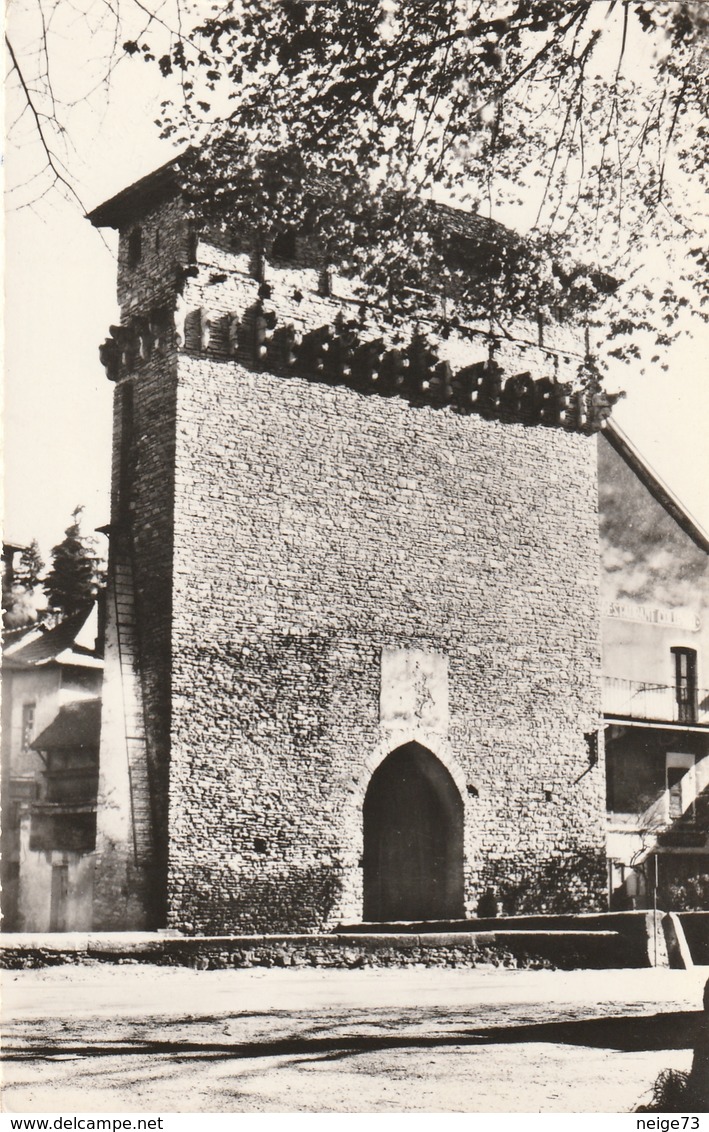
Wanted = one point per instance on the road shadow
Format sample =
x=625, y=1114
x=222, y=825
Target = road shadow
x=626, y=1033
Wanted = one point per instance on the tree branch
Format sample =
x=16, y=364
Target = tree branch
x=51, y=158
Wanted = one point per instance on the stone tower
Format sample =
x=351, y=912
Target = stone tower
x=352, y=661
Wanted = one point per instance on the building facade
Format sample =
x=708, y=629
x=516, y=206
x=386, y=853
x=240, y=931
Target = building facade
x=655, y=635
x=52, y=681
x=353, y=653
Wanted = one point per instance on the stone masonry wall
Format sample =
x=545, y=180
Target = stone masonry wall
x=339, y=525
x=154, y=284
x=316, y=527
x=309, y=530
x=130, y=890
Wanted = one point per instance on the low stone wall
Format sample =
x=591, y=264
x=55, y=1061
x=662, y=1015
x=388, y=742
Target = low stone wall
x=696, y=932
x=643, y=940
x=522, y=949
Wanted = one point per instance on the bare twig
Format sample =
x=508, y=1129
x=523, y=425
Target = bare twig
x=52, y=161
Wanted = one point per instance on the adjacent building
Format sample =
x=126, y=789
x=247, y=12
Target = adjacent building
x=52, y=680
x=655, y=637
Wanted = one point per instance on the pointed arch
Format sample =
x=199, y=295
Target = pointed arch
x=413, y=839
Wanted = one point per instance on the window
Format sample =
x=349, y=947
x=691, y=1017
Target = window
x=284, y=246
x=28, y=718
x=135, y=249
x=675, y=774
x=680, y=786
x=685, y=684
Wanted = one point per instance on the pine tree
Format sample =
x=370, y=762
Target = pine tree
x=18, y=589
x=75, y=577
x=18, y=609
x=30, y=567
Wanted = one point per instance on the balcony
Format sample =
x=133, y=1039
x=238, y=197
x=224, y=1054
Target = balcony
x=69, y=828
x=637, y=699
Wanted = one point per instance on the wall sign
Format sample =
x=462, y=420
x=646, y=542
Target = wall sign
x=680, y=618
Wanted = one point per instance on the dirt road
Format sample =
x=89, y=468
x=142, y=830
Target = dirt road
x=131, y=1038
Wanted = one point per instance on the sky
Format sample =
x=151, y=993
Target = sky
x=60, y=301
x=60, y=280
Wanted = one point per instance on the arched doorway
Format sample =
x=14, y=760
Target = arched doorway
x=413, y=839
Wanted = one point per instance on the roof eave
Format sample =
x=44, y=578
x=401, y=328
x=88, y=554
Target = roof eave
x=660, y=492
x=75, y=659
x=138, y=198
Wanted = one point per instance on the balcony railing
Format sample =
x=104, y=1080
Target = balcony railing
x=637, y=699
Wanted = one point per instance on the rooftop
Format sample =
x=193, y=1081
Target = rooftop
x=77, y=724
x=657, y=488
x=71, y=642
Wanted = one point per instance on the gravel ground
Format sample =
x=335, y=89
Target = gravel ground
x=129, y=1038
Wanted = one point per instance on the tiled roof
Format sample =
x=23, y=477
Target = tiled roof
x=164, y=183
x=139, y=197
x=42, y=646
x=659, y=490
x=77, y=724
